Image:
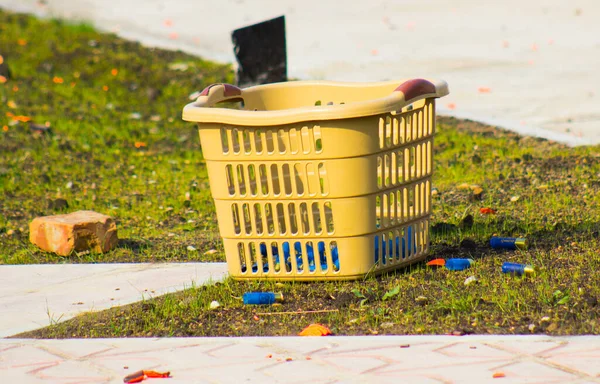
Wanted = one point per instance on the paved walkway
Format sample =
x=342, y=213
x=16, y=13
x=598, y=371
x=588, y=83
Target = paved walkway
x=374, y=359
x=29, y=292
x=33, y=296
x=530, y=66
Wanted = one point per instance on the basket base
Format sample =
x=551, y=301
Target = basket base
x=316, y=277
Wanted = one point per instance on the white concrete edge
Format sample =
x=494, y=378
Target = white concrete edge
x=521, y=129
x=338, y=339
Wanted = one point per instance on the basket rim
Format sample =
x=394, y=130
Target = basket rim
x=394, y=98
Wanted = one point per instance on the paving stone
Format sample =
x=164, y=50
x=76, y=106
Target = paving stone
x=365, y=359
x=530, y=345
x=71, y=371
x=74, y=232
x=27, y=356
x=537, y=372
x=583, y=358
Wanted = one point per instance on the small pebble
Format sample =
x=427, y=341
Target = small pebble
x=214, y=304
x=471, y=280
x=179, y=66
x=191, y=248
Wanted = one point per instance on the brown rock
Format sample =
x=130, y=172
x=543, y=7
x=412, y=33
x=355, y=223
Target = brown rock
x=78, y=231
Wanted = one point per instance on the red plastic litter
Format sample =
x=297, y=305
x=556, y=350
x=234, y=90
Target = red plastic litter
x=487, y=211
x=139, y=376
x=155, y=374
x=437, y=263
x=134, y=377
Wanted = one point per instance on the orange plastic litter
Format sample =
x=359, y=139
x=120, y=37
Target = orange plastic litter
x=487, y=211
x=139, y=376
x=498, y=375
x=315, y=330
x=437, y=263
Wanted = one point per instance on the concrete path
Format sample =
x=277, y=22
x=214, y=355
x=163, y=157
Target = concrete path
x=34, y=296
x=530, y=66
x=373, y=359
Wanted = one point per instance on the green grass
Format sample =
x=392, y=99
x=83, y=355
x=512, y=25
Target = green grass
x=101, y=95
x=93, y=147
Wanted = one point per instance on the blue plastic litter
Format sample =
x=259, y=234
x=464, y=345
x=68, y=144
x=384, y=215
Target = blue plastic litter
x=406, y=245
x=458, y=264
x=261, y=298
x=402, y=243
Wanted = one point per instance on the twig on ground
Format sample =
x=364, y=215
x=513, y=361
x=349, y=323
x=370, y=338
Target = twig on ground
x=298, y=312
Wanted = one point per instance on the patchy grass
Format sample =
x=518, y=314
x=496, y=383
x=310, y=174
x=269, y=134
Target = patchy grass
x=557, y=210
x=542, y=190
x=116, y=143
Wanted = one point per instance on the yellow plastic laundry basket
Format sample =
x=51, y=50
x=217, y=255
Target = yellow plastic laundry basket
x=320, y=180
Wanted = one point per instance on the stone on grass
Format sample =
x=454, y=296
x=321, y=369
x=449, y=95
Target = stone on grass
x=74, y=232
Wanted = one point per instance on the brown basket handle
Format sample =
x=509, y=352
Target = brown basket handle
x=217, y=93
x=416, y=88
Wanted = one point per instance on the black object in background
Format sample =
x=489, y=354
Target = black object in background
x=260, y=50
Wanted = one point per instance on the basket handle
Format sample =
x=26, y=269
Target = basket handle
x=217, y=93
x=416, y=88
